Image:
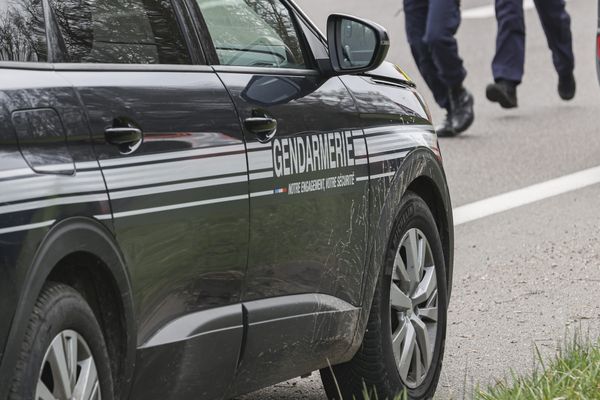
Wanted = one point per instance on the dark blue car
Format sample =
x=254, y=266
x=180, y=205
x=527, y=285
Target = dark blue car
x=201, y=198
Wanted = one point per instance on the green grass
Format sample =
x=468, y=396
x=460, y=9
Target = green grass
x=574, y=373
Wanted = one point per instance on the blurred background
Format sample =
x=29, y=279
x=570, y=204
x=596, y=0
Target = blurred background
x=529, y=276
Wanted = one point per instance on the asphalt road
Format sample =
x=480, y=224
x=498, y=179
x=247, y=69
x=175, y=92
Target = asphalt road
x=530, y=276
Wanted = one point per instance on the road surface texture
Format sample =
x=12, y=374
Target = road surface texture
x=528, y=276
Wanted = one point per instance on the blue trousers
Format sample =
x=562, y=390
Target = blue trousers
x=509, y=61
x=430, y=29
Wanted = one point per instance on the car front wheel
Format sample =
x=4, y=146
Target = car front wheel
x=403, y=346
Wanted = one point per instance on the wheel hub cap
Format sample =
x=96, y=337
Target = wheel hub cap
x=414, y=308
x=68, y=371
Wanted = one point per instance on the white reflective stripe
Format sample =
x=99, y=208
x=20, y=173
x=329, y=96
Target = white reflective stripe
x=403, y=147
x=103, y=217
x=39, y=186
x=176, y=187
x=87, y=165
x=172, y=155
x=262, y=194
x=399, y=128
x=360, y=149
x=34, y=205
x=385, y=175
x=388, y=157
x=392, y=142
x=260, y=160
x=56, y=167
x=378, y=176
x=16, y=173
x=381, y=129
x=125, y=177
x=22, y=228
x=361, y=161
x=262, y=175
x=258, y=145
x=179, y=206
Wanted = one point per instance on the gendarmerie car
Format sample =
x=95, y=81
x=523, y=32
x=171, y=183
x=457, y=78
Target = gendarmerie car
x=598, y=43
x=201, y=198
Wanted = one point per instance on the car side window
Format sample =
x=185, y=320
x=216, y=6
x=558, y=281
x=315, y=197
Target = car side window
x=22, y=31
x=257, y=33
x=120, y=31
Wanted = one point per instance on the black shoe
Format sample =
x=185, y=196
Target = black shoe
x=446, y=129
x=503, y=92
x=566, y=87
x=461, y=103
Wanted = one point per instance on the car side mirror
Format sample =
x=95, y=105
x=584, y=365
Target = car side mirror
x=355, y=45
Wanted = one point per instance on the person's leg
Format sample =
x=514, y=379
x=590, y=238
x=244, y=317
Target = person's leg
x=557, y=26
x=509, y=61
x=443, y=20
x=415, y=12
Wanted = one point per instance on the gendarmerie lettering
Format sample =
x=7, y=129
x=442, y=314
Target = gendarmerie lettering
x=303, y=154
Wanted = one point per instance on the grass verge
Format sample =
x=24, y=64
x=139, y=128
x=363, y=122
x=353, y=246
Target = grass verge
x=574, y=373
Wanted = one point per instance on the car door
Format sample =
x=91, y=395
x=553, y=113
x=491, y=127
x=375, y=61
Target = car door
x=172, y=153
x=308, y=188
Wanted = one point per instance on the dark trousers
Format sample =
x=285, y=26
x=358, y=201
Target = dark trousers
x=510, y=43
x=430, y=28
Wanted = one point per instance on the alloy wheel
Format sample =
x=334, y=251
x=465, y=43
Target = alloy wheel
x=68, y=371
x=414, y=308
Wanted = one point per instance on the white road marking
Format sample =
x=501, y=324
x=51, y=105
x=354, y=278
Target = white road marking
x=489, y=11
x=528, y=195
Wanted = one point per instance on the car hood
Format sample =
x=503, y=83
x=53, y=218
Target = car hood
x=390, y=72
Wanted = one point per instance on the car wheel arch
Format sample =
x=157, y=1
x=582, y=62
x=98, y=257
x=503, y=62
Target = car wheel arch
x=429, y=191
x=79, y=239
x=421, y=173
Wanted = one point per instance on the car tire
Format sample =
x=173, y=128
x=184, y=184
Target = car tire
x=63, y=351
x=375, y=368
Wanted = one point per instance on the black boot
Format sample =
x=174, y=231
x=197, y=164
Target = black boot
x=503, y=92
x=461, y=103
x=445, y=129
x=566, y=86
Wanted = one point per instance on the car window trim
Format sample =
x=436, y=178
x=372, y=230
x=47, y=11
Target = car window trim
x=202, y=33
x=195, y=58
x=26, y=65
x=185, y=20
x=309, y=24
x=305, y=47
x=132, y=67
x=265, y=70
x=214, y=59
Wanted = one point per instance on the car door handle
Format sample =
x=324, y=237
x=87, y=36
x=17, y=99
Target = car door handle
x=127, y=139
x=263, y=127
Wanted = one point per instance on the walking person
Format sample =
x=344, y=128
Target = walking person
x=430, y=27
x=509, y=61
